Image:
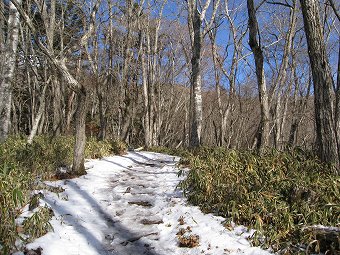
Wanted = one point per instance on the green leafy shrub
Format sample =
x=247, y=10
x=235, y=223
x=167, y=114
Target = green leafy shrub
x=278, y=194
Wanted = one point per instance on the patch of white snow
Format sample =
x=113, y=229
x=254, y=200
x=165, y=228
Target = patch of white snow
x=129, y=205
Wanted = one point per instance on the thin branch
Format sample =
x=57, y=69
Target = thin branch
x=204, y=10
x=279, y=3
x=334, y=9
x=260, y=4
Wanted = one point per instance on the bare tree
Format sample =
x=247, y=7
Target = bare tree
x=299, y=103
x=2, y=34
x=326, y=138
x=196, y=19
x=7, y=74
x=255, y=45
x=280, y=93
x=337, y=105
x=75, y=85
x=337, y=89
x=149, y=36
x=126, y=72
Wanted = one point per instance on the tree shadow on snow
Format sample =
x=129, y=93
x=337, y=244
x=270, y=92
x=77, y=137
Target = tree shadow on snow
x=160, y=164
x=115, y=163
x=149, y=161
x=133, y=244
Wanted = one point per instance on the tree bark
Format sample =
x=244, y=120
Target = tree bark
x=37, y=118
x=2, y=35
x=8, y=70
x=78, y=167
x=326, y=139
x=196, y=16
x=255, y=45
x=146, y=116
x=337, y=105
x=57, y=108
x=72, y=83
x=197, y=116
x=102, y=114
x=280, y=103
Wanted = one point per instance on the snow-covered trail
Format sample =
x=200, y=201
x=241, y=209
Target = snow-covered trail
x=128, y=205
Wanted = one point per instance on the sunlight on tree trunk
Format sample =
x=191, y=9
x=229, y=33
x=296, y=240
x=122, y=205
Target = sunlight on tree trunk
x=197, y=118
x=323, y=84
x=79, y=147
x=255, y=44
x=10, y=53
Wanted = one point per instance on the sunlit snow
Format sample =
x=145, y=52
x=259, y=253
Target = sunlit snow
x=129, y=205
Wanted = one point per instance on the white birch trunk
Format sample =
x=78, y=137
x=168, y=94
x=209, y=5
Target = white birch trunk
x=196, y=124
x=8, y=70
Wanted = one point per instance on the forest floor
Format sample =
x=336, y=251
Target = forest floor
x=130, y=205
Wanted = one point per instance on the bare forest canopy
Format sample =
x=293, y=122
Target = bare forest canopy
x=236, y=73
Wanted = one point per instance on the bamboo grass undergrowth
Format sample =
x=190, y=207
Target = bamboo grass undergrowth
x=23, y=167
x=279, y=194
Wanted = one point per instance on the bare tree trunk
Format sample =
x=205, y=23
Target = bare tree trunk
x=102, y=116
x=219, y=132
x=102, y=88
x=196, y=16
x=124, y=119
x=226, y=110
x=255, y=45
x=326, y=139
x=73, y=84
x=299, y=102
x=79, y=147
x=146, y=117
x=69, y=111
x=337, y=105
x=38, y=116
x=2, y=34
x=127, y=117
x=155, y=65
x=10, y=54
x=282, y=94
x=57, y=111
x=150, y=88
x=220, y=128
x=197, y=118
x=295, y=119
x=70, y=108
